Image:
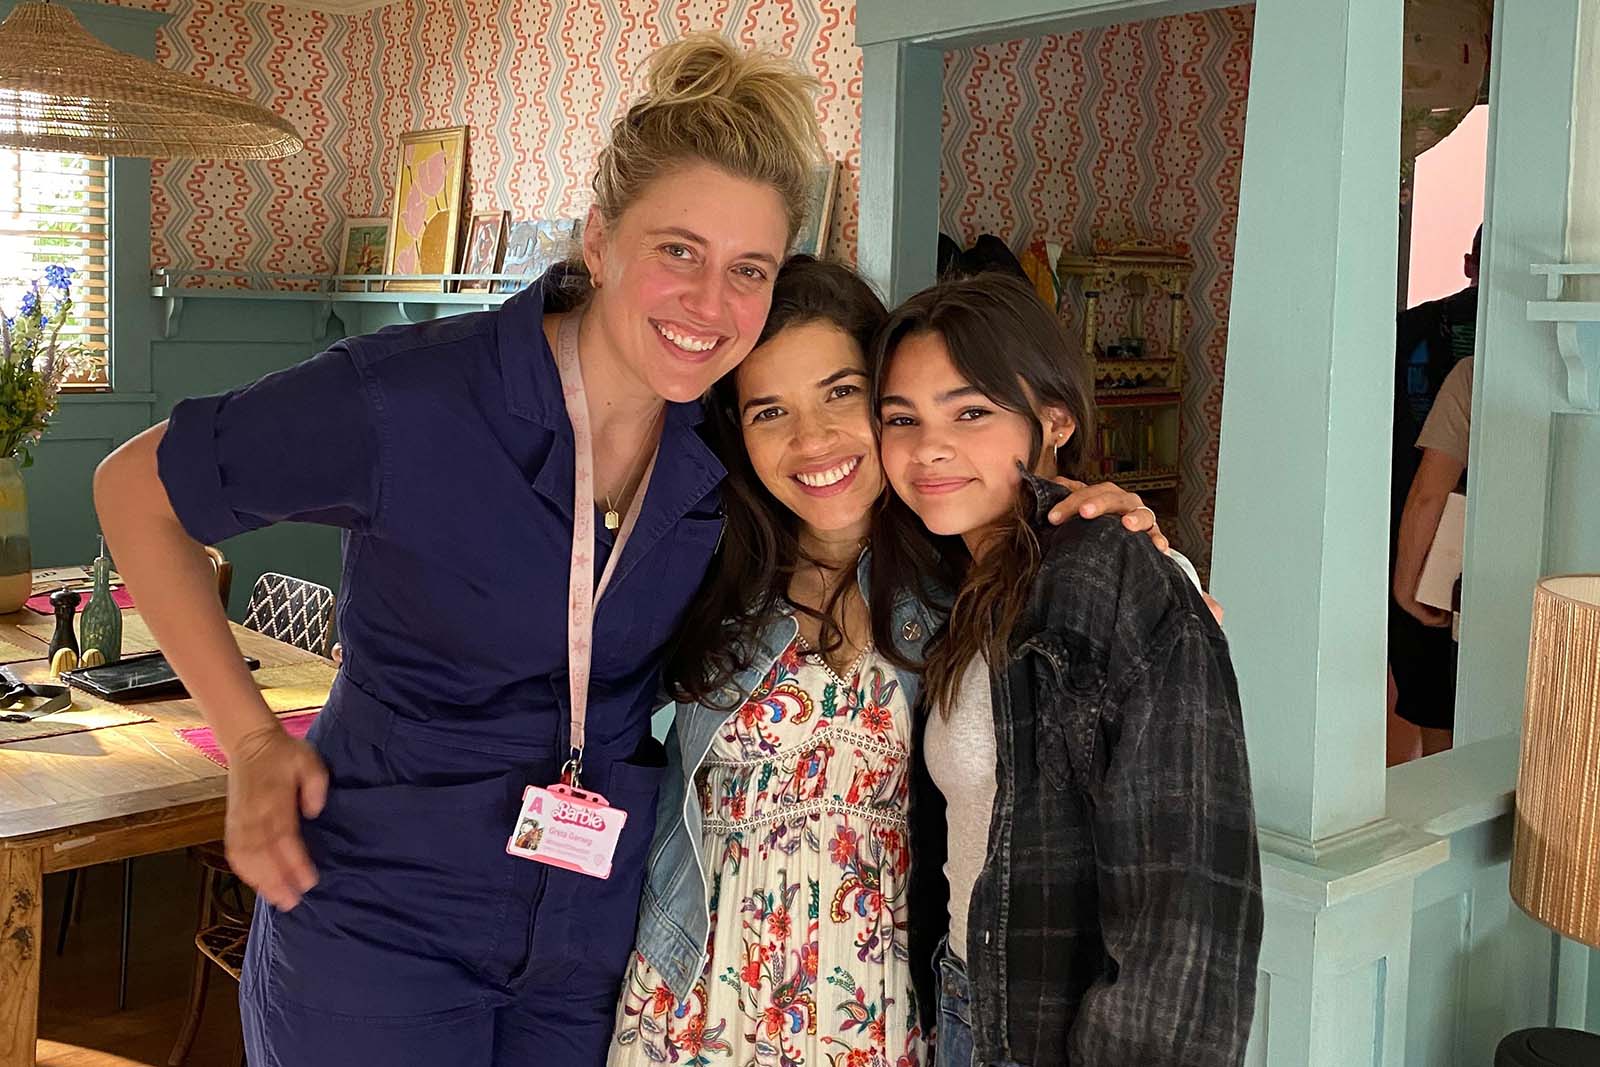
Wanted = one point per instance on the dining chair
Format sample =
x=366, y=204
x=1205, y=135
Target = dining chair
x=223, y=571
x=291, y=610
x=220, y=938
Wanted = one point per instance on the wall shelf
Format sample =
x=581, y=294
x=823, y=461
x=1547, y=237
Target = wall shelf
x=1577, y=325
x=322, y=293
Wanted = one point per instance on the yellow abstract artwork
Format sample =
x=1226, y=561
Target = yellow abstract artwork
x=426, y=220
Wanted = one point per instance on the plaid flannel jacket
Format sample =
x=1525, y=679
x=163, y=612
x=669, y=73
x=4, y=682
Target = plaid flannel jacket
x=1117, y=918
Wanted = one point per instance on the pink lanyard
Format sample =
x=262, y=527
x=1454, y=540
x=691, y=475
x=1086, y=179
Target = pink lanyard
x=582, y=593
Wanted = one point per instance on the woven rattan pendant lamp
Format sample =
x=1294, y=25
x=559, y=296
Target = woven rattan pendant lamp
x=61, y=90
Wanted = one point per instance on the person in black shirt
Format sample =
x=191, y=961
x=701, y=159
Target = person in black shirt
x=1429, y=340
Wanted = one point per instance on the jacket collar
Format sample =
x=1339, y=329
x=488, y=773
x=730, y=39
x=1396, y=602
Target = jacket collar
x=1042, y=495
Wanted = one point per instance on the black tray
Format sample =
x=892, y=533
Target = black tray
x=133, y=678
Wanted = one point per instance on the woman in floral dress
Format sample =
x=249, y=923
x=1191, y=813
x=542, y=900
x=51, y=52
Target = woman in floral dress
x=773, y=920
x=800, y=794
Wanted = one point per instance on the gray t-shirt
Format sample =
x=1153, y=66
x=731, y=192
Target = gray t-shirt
x=961, y=759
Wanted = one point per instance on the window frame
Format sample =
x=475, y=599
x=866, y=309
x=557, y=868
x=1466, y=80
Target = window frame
x=133, y=314
x=105, y=221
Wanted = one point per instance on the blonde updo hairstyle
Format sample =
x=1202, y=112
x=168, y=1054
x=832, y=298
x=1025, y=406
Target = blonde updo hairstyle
x=705, y=100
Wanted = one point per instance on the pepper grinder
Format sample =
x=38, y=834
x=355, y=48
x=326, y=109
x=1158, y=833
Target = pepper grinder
x=65, y=602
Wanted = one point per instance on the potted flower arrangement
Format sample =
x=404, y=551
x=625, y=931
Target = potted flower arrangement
x=33, y=363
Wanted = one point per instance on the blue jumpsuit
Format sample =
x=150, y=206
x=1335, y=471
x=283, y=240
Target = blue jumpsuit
x=444, y=452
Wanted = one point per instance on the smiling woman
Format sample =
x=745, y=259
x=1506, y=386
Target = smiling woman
x=794, y=416
x=456, y=454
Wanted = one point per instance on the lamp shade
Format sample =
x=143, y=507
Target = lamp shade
x=1555, y=864
x=61, y=90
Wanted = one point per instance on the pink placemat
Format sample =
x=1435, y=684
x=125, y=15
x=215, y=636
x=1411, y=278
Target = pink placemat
x=203, y=740
x=41, y=603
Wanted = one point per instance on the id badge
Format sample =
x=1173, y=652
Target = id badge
x=567, y=828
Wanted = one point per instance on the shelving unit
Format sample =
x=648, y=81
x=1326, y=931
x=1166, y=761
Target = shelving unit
x=1138, y=387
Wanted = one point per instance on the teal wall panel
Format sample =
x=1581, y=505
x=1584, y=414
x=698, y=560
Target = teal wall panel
x=1438, y=977
x=1572, y=539
x=226, y=344
x=60, y=511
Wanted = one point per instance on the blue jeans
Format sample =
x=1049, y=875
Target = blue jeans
x=953, y=1044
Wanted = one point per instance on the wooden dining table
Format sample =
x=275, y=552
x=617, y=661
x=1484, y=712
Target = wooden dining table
x=99, y=795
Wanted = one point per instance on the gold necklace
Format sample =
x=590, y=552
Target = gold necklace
x=613, y=518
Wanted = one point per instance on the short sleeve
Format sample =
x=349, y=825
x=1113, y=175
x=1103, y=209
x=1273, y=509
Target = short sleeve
x=1451, y=416
x=300, y=445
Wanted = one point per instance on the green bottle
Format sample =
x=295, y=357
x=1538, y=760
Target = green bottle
x=102, y=620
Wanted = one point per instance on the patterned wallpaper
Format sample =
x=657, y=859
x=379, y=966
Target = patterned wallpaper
x=353, y=85
x=1134, y=130
x=278, y=215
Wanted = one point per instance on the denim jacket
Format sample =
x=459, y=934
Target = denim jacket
x=674, y=914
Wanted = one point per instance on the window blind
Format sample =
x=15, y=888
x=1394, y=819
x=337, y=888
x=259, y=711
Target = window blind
x=55, y=209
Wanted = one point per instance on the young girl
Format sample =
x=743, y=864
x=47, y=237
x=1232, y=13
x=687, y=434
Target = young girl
x=773, y=928
x=1081, y=812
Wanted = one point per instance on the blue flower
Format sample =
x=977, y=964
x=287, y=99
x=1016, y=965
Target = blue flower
x=30, y=301
x=58, y=277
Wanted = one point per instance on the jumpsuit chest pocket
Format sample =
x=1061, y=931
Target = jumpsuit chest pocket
x=686, y=549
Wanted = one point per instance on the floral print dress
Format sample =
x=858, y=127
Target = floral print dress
x=804, y=794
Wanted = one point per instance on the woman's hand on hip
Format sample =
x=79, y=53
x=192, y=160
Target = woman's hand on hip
x=273, y=779
x=1107, y=498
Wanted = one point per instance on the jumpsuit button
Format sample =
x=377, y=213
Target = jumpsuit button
x=911, y=631
x=986, y=937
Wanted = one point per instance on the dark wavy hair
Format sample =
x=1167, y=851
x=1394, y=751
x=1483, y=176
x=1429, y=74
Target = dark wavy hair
x=745, y=586
x=1005, y=342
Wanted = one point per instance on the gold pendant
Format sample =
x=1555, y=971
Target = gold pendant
x=613, y=520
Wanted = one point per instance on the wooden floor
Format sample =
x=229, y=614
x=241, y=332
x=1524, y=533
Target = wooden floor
x=79, y=1024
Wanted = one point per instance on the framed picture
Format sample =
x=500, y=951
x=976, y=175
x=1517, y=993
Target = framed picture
x=813, y=237
x=486, y=243
x=425, y=227
x=364, y=248
x=534, y=246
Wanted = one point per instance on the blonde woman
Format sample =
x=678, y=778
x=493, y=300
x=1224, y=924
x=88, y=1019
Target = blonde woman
x=392, y=924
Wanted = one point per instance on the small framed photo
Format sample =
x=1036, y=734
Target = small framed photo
x=364, y=249
x=536, y=245
x=486, y=245
x=813, y=237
